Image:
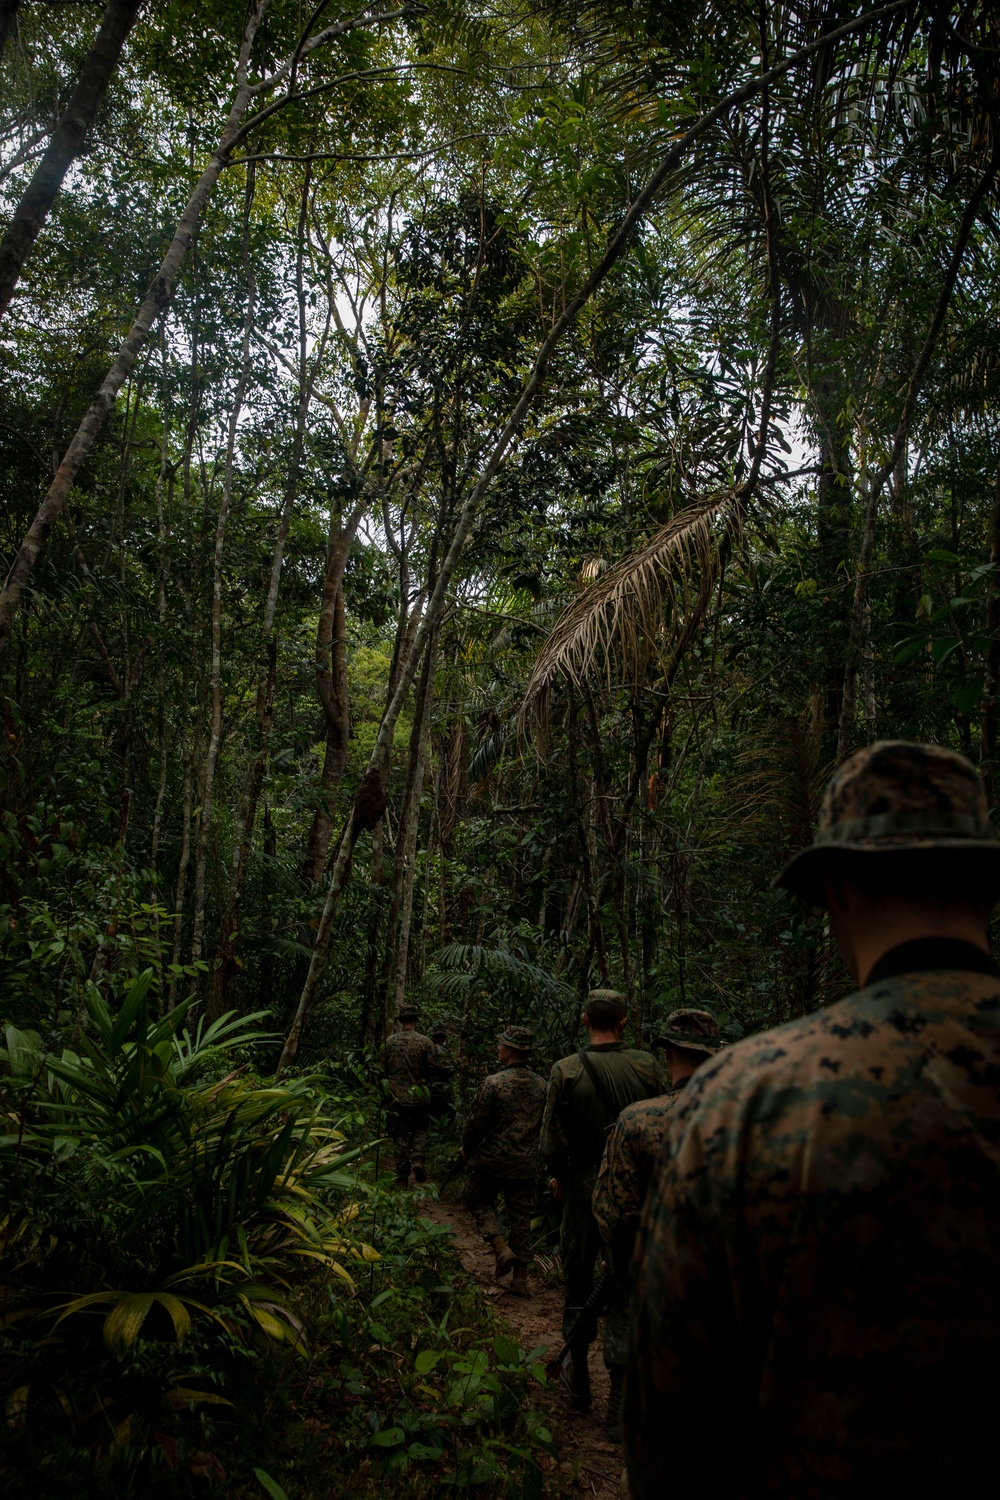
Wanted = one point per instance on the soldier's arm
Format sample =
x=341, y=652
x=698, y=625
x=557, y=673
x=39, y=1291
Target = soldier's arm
x=686, y=1380
x=554, y=1143
x=616, y=1201
x=479, y=1120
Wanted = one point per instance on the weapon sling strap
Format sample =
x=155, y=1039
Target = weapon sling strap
x=600, y=1089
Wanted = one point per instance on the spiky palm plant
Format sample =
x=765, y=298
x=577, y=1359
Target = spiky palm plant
x=137, y=1178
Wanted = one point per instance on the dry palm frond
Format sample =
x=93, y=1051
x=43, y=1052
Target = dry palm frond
x=640, y=607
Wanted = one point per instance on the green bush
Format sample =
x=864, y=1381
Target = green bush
x=160, y=1215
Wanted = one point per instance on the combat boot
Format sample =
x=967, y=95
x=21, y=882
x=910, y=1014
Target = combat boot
x=575, y=1377
x=506, y=1259
x=519, y=1284
x=613, y=1420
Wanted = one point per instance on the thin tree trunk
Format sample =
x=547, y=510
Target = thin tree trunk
x=336, y=710
x=991, y=686
x=215, y=731
x=409, y=828
x=161, y=788
x=229, y=926
x=67, y=138
x=371, y=1011
x=180, y=893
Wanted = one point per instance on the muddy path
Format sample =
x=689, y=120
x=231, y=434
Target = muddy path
x=535, y=1322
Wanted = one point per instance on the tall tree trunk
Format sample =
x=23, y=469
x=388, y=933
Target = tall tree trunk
x=336, y=711
x=215, y=729
x=180, y=893
x=372, y=1007
x=404, y=870
x=67, y=138
x=991, y=686
x=833, y=542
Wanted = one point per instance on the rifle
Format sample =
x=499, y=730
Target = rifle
x=595, y=1304
x=457, y=1166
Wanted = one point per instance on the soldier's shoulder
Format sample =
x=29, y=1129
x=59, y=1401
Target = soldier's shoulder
x=638, y=1058
x=637, y=1116
x=565, y=1068
x=858, y=1042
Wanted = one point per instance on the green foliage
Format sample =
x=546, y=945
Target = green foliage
x=160, y=1202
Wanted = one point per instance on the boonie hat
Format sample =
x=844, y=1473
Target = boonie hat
x=895, y=795
x=522, y=1038
x=695, y=1030
x=408, y=1013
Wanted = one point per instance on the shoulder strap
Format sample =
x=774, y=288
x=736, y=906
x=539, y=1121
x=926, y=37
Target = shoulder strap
x=611, y=1114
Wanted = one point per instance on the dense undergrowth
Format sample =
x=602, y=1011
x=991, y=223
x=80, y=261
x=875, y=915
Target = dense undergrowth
x=209, y=1289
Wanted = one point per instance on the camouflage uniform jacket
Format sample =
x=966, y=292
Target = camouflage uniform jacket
x=411, y=1066
x=574, y=1131
x=819, y=1256
x=627, y=1170
x=501, y=1132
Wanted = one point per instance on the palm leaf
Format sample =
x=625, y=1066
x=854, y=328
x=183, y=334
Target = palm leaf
x=641, y=605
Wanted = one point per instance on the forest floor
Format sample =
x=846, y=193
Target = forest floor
x=594, y=1464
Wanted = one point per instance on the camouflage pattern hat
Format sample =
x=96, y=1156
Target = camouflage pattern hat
x=521, y=1038
x=895, y=796
x=612, y=996
x=408, y=1013
x=694, y=1030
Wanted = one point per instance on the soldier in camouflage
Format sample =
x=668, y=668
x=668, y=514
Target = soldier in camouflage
x=500, y=1145
x=412, y=1065
x=688, y=1037
x=819, y=1256
x=579, y=1111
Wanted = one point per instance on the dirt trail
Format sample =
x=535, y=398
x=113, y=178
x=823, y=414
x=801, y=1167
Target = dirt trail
x=536, y=1322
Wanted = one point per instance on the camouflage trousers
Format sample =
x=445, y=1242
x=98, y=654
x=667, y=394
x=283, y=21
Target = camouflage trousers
x=481, y=1192
x=580, y=1244
x=408, y=1133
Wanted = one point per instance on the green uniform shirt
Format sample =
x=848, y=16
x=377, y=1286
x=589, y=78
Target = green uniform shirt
x=576, y=1122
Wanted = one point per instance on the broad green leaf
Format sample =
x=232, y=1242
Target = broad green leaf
x=425, y=1451
x=272, y=1486
x=389, y=1437
x=507, y=1352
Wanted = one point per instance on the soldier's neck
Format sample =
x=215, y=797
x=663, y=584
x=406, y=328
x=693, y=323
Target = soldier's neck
x=868, y=928
x=604, y=1038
